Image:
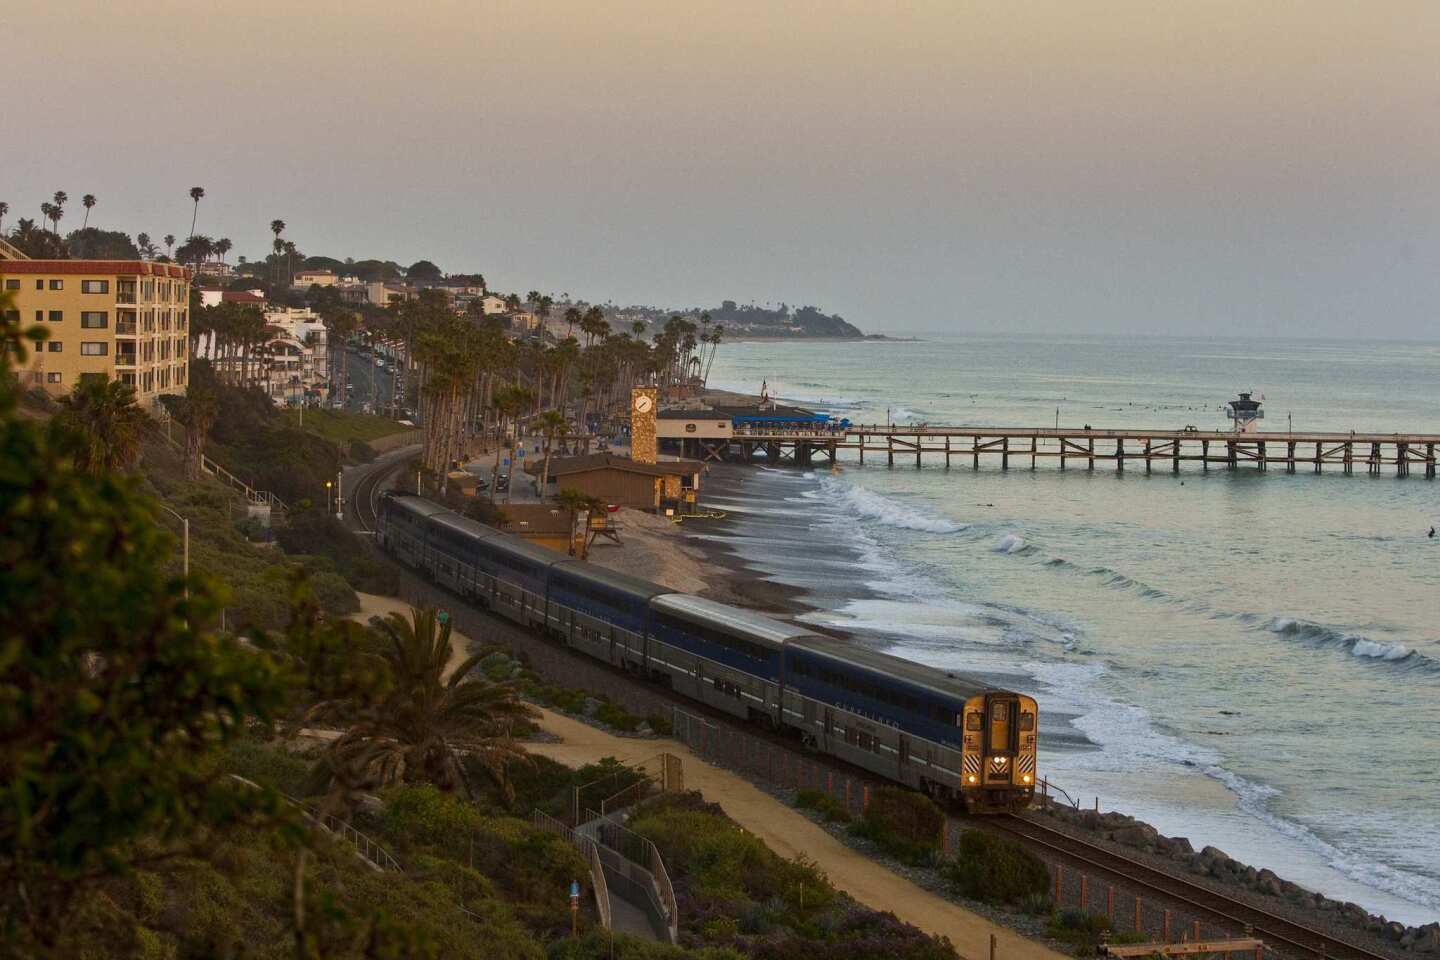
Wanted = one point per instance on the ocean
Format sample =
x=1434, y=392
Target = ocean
x=1248, y=660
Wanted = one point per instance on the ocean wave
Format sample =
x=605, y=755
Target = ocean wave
x=1012, y=543
x=872, y=506
x=1357, y=645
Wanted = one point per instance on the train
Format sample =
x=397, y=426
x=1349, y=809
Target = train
x=959, y=741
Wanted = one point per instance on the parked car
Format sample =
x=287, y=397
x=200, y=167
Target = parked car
x=502, y=483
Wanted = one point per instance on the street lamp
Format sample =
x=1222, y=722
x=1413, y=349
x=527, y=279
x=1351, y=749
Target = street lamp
x=185, y=538
x=328, y=485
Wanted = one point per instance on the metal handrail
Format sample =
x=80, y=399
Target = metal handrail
x=591, y=850
x=659, y=889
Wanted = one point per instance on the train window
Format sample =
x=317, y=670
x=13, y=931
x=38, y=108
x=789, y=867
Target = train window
x=1027, y=721
x=974, y=721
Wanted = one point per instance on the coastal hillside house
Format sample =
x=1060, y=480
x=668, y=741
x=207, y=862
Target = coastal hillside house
x=623, y=482
x=292, y=365
x=245, y=298
x=305, y=279
x=124, y=320
x=523, y=321
x=215, y=269
x=383, y=294
x=493, y=305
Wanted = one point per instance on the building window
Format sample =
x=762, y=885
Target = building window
x=54, y=345
x=39, y=316
x=94, y=348
x=57, y=284
x=39, y=284
x=52, y=377
x=57, y=315
x=94, y=286
x=94, y=319
x=12, y=284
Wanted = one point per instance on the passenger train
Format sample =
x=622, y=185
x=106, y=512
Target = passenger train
x=928, y=729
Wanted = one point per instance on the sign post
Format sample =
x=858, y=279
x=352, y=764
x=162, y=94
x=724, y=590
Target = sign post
x=574, y=906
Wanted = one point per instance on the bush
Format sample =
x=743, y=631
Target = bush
x=614, y=715
x=361, y=452
x=832, y=810
x=995, y=869
x=1083, y=931
x=904, y=824
x=268, y=764
x=315, y=532
x=660, y=724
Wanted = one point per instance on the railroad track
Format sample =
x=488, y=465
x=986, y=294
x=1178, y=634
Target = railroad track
x=365, y=497
x=1275, y=930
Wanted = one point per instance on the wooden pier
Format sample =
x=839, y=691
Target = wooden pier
x=1371, y=453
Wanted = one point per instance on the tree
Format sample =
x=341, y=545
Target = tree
x=92, y=243
x=60, y=198
x=111, y=702
x=145, y=247
x=575, y=501
x=4, y=209
x=196, y=195
x=551, y=423
x=432, y=714
x=103, y=415
x=169, y=243
x=423, y=270
x=196, y=411
x=222, y=247
x=87, y=202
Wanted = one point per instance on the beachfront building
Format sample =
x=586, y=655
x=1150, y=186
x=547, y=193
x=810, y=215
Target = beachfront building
x=291, y=366
x=705, y=433
x=626, y=483
x=244, y=298
x=124, y=320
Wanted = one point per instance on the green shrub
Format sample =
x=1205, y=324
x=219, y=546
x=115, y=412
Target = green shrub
x=1083, y=931
x=361, y=452
x=422, y=814
x=614, y=715
x=832, y=810
x=601, y=946
x=904, y=824
x=660, y=723
x=995, y=869
x=268, y=764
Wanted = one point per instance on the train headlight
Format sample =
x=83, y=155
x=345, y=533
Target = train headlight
x=1027, y=778
x=972, y=778
x=998, y=761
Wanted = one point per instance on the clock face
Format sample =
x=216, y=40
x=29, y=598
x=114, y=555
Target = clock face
x=643, y=404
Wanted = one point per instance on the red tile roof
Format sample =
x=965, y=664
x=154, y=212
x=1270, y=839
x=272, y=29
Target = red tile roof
x=240, y=296
x=119, y=268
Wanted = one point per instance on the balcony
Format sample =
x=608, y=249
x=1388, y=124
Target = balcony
x=125, y=358
x=125, y=328
x=125, y=293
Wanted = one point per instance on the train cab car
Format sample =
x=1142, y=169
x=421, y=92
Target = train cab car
x=402, y=525
x=720, y=655
x=1001, y=728
x=601, y=612
x=901, y=720
x=518, y=573
x=452, y=544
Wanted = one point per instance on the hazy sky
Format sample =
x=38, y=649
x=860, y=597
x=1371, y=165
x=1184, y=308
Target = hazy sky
x=1181, y=167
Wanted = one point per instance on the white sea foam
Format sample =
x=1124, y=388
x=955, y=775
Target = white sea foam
x=1378, y=650
x=873, y=506
x=1010, y=543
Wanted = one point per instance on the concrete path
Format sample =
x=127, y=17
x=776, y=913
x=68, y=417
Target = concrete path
x=790, y=834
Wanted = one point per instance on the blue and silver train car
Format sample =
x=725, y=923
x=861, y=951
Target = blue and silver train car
x=604, y=613
x=729, y=658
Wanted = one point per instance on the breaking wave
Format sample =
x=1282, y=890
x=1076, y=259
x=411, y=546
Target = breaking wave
x=872, y=506
x=1319, y=635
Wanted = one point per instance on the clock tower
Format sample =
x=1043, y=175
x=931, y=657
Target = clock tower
x=642, y=424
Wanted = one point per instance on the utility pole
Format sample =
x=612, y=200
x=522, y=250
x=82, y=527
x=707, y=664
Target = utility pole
x=185, y=542
x=339, y=499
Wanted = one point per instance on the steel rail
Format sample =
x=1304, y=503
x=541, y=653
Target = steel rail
x=1274, y=928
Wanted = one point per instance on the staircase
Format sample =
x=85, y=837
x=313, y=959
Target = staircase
x=253, y=497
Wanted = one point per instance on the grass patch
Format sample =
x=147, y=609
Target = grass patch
x=1084, y=932
x=341, y=427
x=832, y=810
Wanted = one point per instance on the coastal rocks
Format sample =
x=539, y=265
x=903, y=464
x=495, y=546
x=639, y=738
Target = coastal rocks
x=1215, y=863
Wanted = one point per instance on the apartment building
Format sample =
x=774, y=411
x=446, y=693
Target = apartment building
x=119, y=319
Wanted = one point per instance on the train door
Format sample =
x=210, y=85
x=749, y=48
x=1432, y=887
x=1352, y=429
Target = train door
x=999, y=745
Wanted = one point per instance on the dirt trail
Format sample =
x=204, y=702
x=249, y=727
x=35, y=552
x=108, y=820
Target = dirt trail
x=790, y=834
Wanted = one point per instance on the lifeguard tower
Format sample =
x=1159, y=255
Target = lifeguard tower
x=1245, y=413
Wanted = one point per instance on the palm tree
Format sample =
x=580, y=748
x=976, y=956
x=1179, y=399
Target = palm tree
x=222, y=247
x=575, y=501
x=87, y=202
x=551, y=423
x=142, y=243
x=108, y=423
x=4, y=209
x=169, y=243
x=432, y=715
x=61, y=198
x=196, y=410
x=277, y=227
x=196, y=194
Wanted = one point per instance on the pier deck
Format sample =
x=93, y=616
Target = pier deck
x=1024, y=446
